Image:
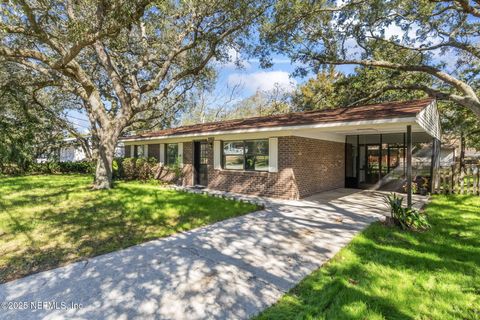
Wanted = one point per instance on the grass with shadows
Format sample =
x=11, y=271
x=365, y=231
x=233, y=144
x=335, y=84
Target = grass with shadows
x=48, y=221
x=385, y=273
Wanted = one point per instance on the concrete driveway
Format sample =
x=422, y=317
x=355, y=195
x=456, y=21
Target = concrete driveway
x=229, y=270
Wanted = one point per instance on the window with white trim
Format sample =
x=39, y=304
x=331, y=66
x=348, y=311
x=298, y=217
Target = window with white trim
x=171, y=153
x=249, y=155
x=141, y=151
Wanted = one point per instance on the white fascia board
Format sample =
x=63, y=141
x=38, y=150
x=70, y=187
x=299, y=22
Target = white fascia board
x=327, y=125
x=227, y=135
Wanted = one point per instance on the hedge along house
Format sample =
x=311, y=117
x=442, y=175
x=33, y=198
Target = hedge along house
x=295, y=155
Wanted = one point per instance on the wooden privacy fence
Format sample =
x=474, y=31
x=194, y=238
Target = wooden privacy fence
x=455, y=180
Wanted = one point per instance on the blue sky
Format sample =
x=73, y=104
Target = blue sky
x=251, y=77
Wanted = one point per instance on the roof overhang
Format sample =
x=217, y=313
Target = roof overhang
x=422, y=115
x=335, y=131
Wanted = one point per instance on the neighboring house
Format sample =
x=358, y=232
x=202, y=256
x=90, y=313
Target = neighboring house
x=71, y=151
x=452, y=150
x=472, y=155
x=447, y=156
x=296, y=155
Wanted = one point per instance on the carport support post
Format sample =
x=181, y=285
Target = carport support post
x=409, y=166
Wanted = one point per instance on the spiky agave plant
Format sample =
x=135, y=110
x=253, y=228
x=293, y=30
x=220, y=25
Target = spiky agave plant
x=394, y=201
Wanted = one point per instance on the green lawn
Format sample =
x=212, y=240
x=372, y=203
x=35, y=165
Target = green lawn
x=389, y=274
x=48, y=221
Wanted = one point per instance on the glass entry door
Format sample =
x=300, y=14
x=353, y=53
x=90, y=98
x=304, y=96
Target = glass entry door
x=375, y=160
x=369, y=171
x=200, y=158
x=373, y=164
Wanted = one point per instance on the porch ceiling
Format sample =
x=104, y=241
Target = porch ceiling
x=338, y=133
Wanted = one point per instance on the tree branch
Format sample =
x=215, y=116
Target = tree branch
x=434, y=93
x=113, y=73
x=24, y=53
x=475, y=51
x=458, y=84
x=475, y=11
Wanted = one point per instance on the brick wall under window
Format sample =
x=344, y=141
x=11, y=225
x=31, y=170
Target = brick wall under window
x=306, y=166
x=186, y=178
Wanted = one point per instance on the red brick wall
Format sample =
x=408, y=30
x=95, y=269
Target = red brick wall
x=306, y=166
x=318, y=165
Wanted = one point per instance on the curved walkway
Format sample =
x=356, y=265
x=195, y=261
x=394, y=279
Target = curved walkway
x=229, y=270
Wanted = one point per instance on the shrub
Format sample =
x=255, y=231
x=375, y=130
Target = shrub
x=117, y=168
x=76, y=167
x=129, y=169
x=11, y=169
x=143, y=169
x=416, y=220
x=53, y=167
x=406, y=218
x=146, y=168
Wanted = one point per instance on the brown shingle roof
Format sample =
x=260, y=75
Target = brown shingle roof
x=396, y=109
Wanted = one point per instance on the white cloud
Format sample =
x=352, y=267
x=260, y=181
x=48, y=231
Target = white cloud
x=235, y=60
x=395, y=30
x=263, y=80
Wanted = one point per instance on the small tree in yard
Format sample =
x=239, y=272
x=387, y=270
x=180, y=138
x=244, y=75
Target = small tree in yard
x=122, y=58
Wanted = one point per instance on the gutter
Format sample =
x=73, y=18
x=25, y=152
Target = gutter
x=279, y=128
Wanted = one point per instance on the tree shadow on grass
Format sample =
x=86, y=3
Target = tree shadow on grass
x=229, y=270
x=110, y=220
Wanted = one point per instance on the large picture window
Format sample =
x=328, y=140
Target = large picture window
x=250, y=155
x=171, y=153
x=141, y=151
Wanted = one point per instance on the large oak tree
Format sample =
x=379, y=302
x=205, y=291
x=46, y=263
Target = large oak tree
x=122, y=58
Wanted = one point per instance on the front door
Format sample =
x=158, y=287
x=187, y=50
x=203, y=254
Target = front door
x=200, y=163
x=373, y=164
x=369, y=164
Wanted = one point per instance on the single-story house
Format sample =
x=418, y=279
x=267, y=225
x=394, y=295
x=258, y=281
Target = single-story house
x=295, y=155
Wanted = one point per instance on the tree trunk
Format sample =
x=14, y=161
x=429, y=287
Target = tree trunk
x=103, y=173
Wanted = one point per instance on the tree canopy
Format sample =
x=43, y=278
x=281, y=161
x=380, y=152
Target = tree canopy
x=438, y=39
x=122, y=58
x=26, y=131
